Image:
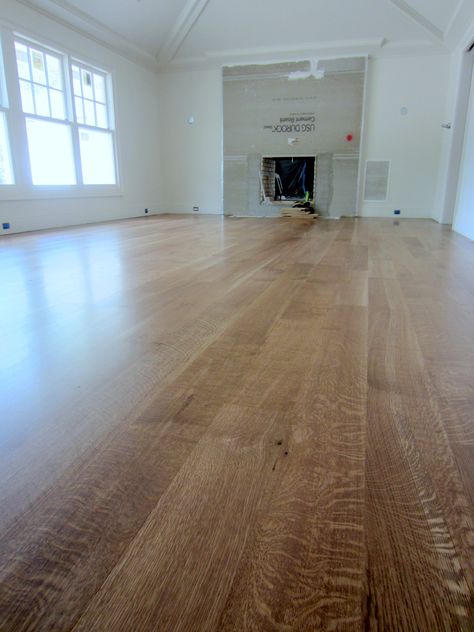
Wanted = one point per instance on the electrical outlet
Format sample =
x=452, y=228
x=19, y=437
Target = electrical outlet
x=196, y=209
x=397, y=212
x=6, y=225
x=146, y=211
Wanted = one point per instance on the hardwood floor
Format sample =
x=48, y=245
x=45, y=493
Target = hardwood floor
x=230, y=424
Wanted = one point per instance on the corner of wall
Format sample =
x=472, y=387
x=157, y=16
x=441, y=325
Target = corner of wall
x=191, y=140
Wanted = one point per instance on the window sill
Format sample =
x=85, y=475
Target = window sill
x=12, y=192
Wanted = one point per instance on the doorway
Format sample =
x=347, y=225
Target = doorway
x=464, y=211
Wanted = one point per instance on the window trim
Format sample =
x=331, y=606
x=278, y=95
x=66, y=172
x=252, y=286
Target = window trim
x=4, y=112
x=24, y=188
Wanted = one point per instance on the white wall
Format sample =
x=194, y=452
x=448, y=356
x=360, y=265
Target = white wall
x=191, y=155
x=137, y=113
x=464, y=214
x=413, y=144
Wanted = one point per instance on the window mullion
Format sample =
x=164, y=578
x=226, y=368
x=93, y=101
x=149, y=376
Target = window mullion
x=69, y=87
x=81, y=97
x=46, y=74
x=94, y=100
x=32, y=83
x=77, y=153
x=15, y=116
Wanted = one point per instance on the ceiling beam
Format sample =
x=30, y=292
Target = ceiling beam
x=433, y=31
x=183, y=25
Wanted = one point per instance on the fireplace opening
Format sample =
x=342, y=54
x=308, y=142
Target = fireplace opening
x=289, y=178
x=294, y=178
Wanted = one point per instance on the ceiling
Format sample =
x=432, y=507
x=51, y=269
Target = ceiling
x=163, y=33
x=144, y=22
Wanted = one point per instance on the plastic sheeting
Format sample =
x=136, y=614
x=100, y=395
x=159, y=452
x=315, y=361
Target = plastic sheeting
x=297, y=176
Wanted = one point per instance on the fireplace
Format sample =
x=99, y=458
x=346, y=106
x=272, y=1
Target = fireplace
x=288, y=178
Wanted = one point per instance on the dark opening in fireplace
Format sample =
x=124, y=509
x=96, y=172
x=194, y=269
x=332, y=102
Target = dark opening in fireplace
x=294, y=178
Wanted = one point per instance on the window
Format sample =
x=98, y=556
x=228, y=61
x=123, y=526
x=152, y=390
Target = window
x=96, y=142
x=51, y=152
x=62, y=112
x=41, y=82
x=89, y=97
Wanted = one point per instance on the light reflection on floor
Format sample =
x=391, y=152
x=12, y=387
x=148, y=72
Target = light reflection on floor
x=61, y=304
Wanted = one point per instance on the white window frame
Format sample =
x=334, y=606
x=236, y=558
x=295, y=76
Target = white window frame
x=109, y=105
x=24, y=187
x=5, y=111
x=66, y=121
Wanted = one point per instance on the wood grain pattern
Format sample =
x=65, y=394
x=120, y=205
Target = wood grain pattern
x=230, y=425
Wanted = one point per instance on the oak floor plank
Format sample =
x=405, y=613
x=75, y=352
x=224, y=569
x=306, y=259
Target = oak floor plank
x=412, y=480
x=291, y=576
x=150, y=355
x=237, y=424
x=191, y=568
x=189, y=396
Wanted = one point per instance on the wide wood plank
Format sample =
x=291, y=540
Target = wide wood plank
x=227, y=424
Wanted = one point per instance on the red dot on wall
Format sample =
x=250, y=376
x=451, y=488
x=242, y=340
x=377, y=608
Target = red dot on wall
x=349, y=138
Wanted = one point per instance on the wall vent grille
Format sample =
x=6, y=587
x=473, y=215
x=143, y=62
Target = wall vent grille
x=376, y=180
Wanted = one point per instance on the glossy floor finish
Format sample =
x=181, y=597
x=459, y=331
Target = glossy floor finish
x=237, y=424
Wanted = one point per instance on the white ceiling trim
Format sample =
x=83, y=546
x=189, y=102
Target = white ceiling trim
x=461, y=27
x=433, y=31
x=375, y=47
x=183, y=25
x=269, y=55
x=62, y=12
x=363, y=45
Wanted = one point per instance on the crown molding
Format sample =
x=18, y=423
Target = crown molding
x=461, y=27
x=65, y=14
x=411, y=49
x=300, y=51
x=420, y=20
x=180, y=30
x=375, y=48
x=294, y=53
